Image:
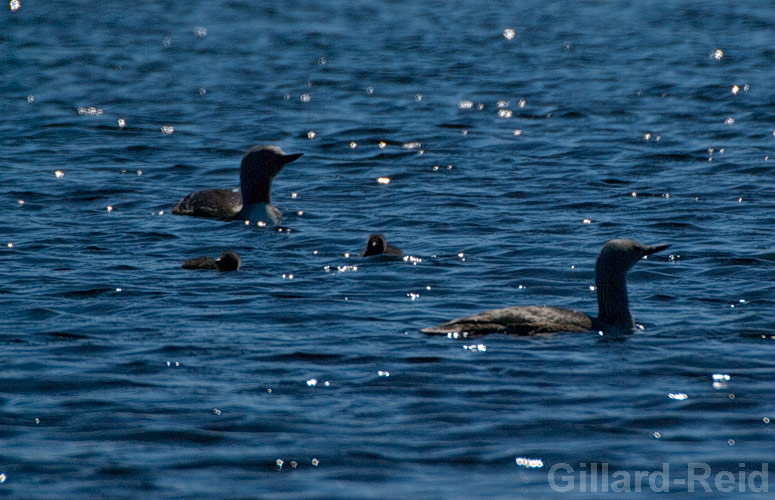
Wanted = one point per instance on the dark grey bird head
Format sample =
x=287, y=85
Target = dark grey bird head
x=618, y=256
x=259, y=166
x=228, y=261
x=375, y=245
x=378, y=245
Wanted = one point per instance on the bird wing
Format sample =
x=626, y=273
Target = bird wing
x=200, y=263
x=211, y=203
x=517, y=320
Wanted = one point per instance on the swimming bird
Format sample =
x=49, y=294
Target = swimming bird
x=228, y=261
x=252, y=201
x=614, y=316
x=377, y=244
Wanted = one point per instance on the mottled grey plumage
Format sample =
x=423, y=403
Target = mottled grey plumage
x=228, y=261
x=252, y=201
x=377, y=244
x=614, y=260
x=223, y=204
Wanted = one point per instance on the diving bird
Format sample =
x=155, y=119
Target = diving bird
x=252, y=201
x=228, y=261
x=614, y=316
x=377, y=244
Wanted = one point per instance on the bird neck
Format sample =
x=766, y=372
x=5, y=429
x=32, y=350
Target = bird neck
x=612, y=303
x=255, y=189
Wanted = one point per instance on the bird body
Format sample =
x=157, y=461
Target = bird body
x=517, y=320
x=228, y=261
x=223, y=204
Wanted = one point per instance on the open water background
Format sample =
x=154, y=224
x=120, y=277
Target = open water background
x=510, y=162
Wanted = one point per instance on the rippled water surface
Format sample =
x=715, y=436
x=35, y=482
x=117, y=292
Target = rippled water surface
x=511, y=157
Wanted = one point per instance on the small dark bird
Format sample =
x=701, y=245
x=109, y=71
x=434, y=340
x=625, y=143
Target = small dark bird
x=614, y=316
x=252, y=201
x=377, y=244
x=228, y=261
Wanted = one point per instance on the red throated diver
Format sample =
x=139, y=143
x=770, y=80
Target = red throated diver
x=377, y=245
x=228, y=261
x=252, y=201
x=615, y=259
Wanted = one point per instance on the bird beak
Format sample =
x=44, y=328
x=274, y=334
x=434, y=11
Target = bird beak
x=655, y=248
x=290, y=158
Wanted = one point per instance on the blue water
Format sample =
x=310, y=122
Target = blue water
x=510, y=162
